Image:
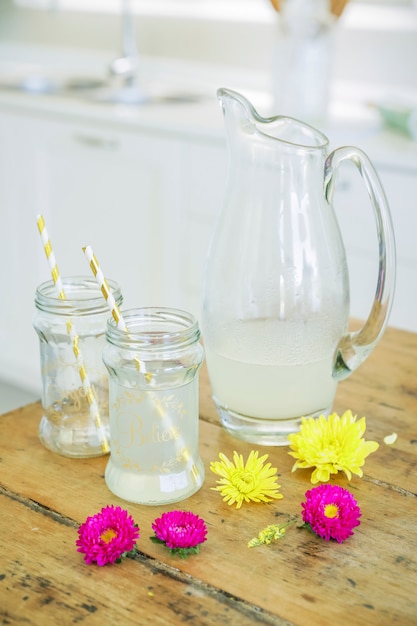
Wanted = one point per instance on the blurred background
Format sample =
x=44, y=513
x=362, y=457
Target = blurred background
x=110, y=127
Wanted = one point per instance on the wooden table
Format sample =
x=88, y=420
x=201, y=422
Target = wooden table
x=301, y=580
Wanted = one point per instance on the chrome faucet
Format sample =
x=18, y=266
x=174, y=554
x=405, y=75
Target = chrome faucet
x=126, y=66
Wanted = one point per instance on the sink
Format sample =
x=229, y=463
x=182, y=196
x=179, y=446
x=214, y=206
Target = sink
x=44, y=84
x=135, y=95
x=97, y=90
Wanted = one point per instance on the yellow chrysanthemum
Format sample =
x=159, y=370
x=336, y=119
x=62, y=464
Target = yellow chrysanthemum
x=331, y=445
x=244, y=482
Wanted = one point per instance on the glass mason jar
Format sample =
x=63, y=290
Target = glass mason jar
x=75, y=421
x=153, y=390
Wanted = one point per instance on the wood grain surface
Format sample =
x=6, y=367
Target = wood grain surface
x=301, y=580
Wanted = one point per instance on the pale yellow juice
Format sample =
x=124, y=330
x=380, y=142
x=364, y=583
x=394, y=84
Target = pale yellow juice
x=271, y=370
x=154, y=444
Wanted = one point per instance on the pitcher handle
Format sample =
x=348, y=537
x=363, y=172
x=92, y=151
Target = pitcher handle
x=355, y=347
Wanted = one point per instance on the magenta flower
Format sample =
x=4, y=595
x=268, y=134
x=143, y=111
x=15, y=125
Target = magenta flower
x=331, y=512
x=107, y=536
x=180, y=531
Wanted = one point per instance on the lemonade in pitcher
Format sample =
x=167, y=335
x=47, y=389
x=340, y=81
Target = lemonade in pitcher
x=265, y=384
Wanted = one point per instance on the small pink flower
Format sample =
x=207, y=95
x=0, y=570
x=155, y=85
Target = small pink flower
x=107, y=536
x=180, y=531
x=331, y=512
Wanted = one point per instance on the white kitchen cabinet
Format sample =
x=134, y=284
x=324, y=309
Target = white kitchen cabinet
x=116, y=190
x=357, y=223
x=401, y=187
x=19, y=260
x=204, y=171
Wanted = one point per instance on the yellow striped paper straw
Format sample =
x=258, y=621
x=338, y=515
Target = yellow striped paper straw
x=88, y=390
x=104, y=287
x=111, y=302
x=47, y=246
x=121, y=324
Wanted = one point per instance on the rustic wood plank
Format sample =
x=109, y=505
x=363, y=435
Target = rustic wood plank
x=373, y=575
x=303, y=571
x=45, y=582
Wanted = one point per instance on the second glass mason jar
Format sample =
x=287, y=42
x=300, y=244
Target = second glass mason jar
x=153, y=387
x=71, y=330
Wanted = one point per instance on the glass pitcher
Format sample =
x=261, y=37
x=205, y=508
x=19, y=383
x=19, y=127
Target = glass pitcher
x=275, y=302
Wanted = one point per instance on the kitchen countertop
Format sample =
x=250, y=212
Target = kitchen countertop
x=193, y=108
x=370, y=579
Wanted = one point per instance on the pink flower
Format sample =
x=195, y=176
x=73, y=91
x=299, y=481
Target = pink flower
x=180, y=531
x=107, y=536
x=331, y=512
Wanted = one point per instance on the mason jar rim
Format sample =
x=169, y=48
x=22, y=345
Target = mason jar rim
x=83, y=296
x=154, y=329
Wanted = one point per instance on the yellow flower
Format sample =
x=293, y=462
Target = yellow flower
x=331, y=445
x=242, y=482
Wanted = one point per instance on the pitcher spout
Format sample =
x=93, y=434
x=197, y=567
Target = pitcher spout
x=239, y=113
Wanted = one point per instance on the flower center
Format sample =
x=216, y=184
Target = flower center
x=330, y=452
x=331, y=510
x=108, y=535
x=181, y=528
x=244, y=481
